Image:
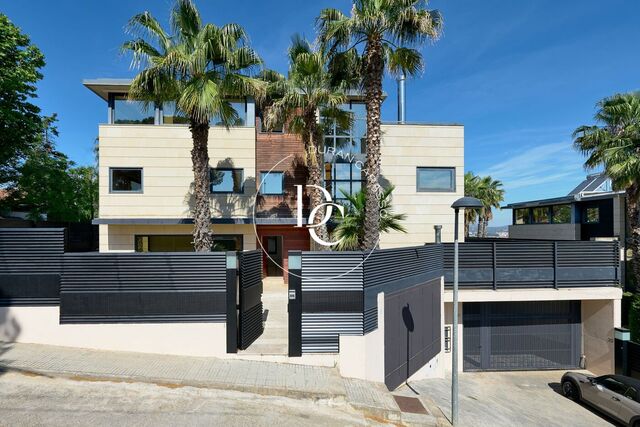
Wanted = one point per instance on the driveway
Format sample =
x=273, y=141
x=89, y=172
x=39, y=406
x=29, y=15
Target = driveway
x=510, y=398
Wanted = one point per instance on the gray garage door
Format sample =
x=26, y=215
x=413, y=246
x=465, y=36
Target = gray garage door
x=521, y=335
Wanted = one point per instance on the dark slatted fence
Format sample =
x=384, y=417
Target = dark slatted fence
x=30, y=265
x=339, y=289
x=391, y=270
x=143, y=287
x=534, y=264
x=250, y=310
x=332, y=299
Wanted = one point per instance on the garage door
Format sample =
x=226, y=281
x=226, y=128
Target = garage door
x=521, y=335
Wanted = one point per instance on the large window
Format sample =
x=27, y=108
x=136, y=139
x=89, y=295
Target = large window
x=436, y=179
x=226, y=180
x=561, y=214
x=132, y=112
x=171, y=115
x=541, y=215
x=183, y=243
x=348, y=140
x=241, y=109
x=342, y=178
x=522, y=216
x=227, y=242
x=125, y=180
x=272, y=183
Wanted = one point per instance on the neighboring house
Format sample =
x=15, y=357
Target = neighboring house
x=145, y=176
x=591, y=211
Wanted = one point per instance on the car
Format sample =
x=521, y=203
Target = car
x=615, y=395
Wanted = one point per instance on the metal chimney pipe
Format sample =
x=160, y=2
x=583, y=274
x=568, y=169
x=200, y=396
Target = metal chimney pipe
x=401, y=104
x=438, y=229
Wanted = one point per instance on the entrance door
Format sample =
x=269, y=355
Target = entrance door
x=273, y=245
x=505, y=336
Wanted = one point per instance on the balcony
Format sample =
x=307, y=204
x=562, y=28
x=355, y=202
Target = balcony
x=513, y=264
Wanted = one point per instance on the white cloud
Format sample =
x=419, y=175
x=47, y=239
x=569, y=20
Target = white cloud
x=540, y=164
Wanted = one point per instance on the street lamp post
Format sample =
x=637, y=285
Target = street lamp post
x=462, y=203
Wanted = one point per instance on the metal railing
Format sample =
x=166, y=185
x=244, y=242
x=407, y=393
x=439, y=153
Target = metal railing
x=534, y=264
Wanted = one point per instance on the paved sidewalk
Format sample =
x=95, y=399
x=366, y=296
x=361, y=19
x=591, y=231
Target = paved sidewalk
x=227, y=374
x=264, y=378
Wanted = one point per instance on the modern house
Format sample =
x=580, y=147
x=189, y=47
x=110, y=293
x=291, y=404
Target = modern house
x=383, y=316
x=145, y=177
x=591, y=211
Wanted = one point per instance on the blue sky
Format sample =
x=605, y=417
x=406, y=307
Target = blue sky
x=521, y=76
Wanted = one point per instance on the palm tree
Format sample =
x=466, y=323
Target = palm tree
x=385, y=31
x=491, y=195
x=614, y=143
x=308, y=90
x=472, y=188
x=200, y=67
x=350, y=231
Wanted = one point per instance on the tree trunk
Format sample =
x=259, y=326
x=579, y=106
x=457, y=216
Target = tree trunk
x=315, y=164
x=202, y=236
x=373, y=71
x=633, y=239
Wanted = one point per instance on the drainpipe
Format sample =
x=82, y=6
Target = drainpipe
x=401, y=99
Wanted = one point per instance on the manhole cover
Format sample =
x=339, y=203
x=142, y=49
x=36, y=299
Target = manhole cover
x=410, y=404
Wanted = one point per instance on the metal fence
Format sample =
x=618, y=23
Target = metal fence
x=250, y=322
x=143, y=287
x=534, y=264
x=30, y=265
x=338, y=291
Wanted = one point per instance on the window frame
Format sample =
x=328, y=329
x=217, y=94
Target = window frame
x=549, y=214
x=214, y=236
x=332, y=134
x=332, y=184
x=585, y=216
x=114, y=97
x=451, y=189
x=233, y=191
x=553, y=213
x=261, y=186
x=114, y=168
x=527, y=216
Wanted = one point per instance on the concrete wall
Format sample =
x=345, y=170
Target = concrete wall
x=164, y=154
x=121, y=238
x=404, y=149
x=545, y=231
x=40, y=325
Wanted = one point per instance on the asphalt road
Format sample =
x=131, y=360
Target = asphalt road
x=35, y=400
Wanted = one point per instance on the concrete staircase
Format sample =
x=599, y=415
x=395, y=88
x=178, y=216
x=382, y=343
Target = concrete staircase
x=274, y=340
